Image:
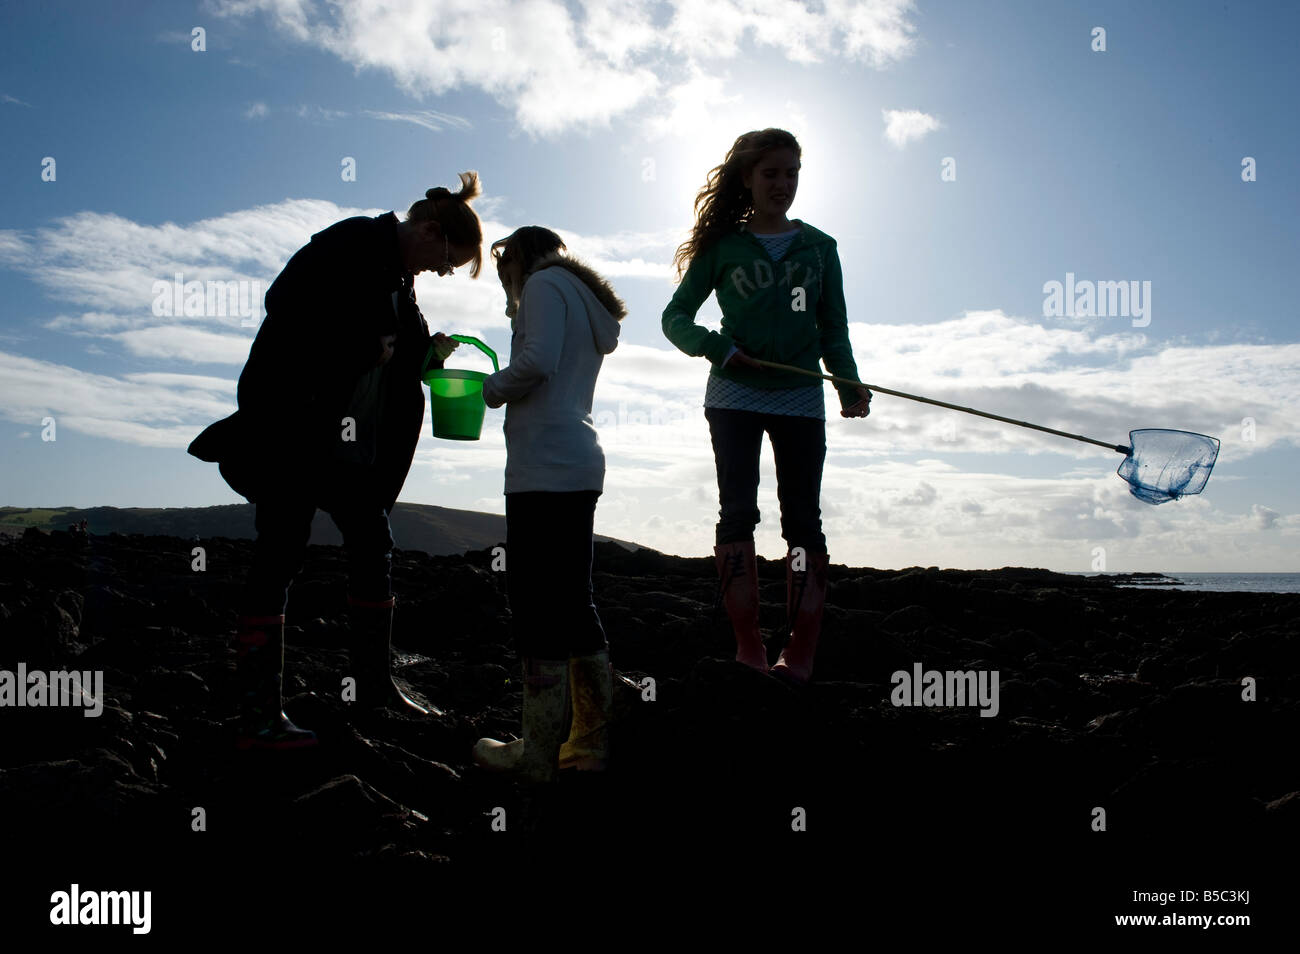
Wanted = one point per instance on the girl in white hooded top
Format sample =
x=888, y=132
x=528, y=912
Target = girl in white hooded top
x=565, y=319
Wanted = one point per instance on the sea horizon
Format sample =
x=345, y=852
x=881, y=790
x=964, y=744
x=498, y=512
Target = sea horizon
x=1213, y=582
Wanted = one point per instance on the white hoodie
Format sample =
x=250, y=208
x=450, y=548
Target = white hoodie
x=568, y=320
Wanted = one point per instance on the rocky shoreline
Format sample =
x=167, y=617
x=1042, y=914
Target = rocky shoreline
x=1124, y=698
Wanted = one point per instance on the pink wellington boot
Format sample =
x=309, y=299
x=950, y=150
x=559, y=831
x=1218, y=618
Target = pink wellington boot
x=738, y=569
x=805, y=595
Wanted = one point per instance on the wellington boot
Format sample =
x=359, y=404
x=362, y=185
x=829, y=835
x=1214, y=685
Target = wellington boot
x=805, y=600
x=546, y=703
x=370, y=650
x=738, y=578
x=592, y=686
x=259, y=674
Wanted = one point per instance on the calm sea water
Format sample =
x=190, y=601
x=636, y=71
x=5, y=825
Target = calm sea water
x=1230, y=582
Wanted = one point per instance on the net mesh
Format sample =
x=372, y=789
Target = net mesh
x=1163, y=465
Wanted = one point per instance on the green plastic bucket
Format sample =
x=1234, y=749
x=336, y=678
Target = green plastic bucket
x=456, y=395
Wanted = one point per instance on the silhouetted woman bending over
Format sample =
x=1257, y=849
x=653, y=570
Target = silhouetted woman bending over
x=330, y=410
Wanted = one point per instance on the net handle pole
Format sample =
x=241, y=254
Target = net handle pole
x=1120, y=448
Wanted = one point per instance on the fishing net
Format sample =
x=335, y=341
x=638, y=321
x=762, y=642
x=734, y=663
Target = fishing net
x=1163, y=465
x=1159, y=464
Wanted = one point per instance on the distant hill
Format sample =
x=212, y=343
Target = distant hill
x=438, y=531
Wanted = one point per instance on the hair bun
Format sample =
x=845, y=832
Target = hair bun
x=470, y=187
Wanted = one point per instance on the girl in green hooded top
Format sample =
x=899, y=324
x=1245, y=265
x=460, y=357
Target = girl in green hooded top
x=780, y=288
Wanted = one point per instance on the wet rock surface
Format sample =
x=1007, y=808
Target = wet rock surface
x=1127, y=699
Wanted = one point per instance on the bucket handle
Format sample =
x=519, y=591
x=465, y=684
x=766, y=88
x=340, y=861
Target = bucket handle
x=466, y=339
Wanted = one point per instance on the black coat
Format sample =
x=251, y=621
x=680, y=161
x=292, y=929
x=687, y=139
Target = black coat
x=324, y=315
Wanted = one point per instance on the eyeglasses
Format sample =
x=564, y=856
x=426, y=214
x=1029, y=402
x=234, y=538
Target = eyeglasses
x=446, y=267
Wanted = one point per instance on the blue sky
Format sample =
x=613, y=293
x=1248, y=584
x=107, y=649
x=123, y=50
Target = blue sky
x=601, y=121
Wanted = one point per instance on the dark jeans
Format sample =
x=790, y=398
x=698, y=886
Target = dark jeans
x=548, y=574
x=799, y=449
x=283, y=529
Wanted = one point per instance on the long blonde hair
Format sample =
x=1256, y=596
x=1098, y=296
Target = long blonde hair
x=724, y=202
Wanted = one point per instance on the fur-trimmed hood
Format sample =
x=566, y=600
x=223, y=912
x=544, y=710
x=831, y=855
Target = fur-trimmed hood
x=602, y=289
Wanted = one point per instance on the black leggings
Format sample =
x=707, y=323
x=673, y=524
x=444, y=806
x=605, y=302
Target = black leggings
x=548, y=574
x=799, y=449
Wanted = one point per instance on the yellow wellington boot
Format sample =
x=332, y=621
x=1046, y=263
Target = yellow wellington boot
x=592, y=686
x=533, y=758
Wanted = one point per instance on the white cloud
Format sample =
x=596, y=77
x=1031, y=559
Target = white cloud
x=320, y=113
x=559, y=69
x=690, y=105
x=922, y=496
x=196, y=382
x=91, y=323
x=427, y=118
x=619, y=29
x=907, y=125
x=257, y=111
x=109, y=265
x=152, y=410
x=1265, y=517
x=616, y=255
x=179, y=343
x=12, y=245
x=876, y=33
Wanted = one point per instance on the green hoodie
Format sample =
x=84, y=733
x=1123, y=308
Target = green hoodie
x=761, y=310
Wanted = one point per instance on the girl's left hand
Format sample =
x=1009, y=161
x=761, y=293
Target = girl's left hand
x=860, y=409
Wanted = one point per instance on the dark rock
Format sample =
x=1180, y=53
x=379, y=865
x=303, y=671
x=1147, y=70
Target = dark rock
x=1125, y=698
x=1157, y=669
x=1171, y=798
x=909, y=619
x=45, y=636
x=1283, y=814
x=1015, y=697
x=345, y=816
x=171, y=689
